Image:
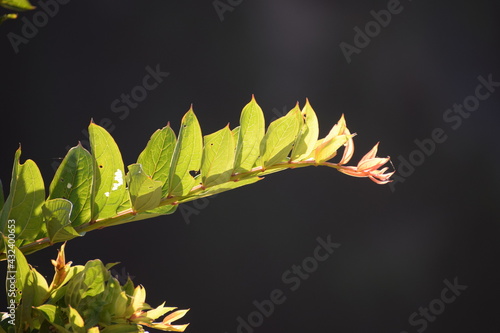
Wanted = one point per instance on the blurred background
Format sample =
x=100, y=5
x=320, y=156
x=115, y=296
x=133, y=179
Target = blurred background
x=394, y=82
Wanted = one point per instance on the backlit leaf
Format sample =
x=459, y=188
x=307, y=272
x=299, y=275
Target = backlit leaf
x=280, y=137
x=187, y=156
x=145, y=193
x=110, y=191
x=57, y=218
x=218, y=157
x=308, y=136
x=251, y=132
x=328, y=148
x=156, y=157
x=23, y=205
x=18, y=5
x=73, y=181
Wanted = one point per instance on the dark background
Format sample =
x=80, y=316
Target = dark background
x=397, y=247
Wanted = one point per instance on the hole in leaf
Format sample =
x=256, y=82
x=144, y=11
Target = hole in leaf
x=100, y=166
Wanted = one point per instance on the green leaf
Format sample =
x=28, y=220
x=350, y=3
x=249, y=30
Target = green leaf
x=49, y=311
x=22, y=269
x=73, y=181
x=308, y=136
x=85, y=292
x=157, y=155
x=110, y=186
x=76, y=320
x=60, y=292
x=57, y=214
x=218, y=157
x=24, y=310
x=145, y=193
x=187, y=156
x=17, y=5
x=23, y=205
x=40, y=286
x=251, y=132
x=280, y=137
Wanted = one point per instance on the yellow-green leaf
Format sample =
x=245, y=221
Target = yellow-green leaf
x=24, y=203
x=145, y=193
x=328, y=148
x=187, y=156
x=138, y=299
x=17, y=5
x=73, y=181
x=57, y=214
x=41, y=287
x=159, y=311
x=49, y=311
x=76, y=320
x=110, y=190
x=218, y=157
x=308, y=136
x=22, y=271
x=280, y=137
x=156, y=157
x=250, y=134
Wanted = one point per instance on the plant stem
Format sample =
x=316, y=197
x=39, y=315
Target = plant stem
x=129, y=215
